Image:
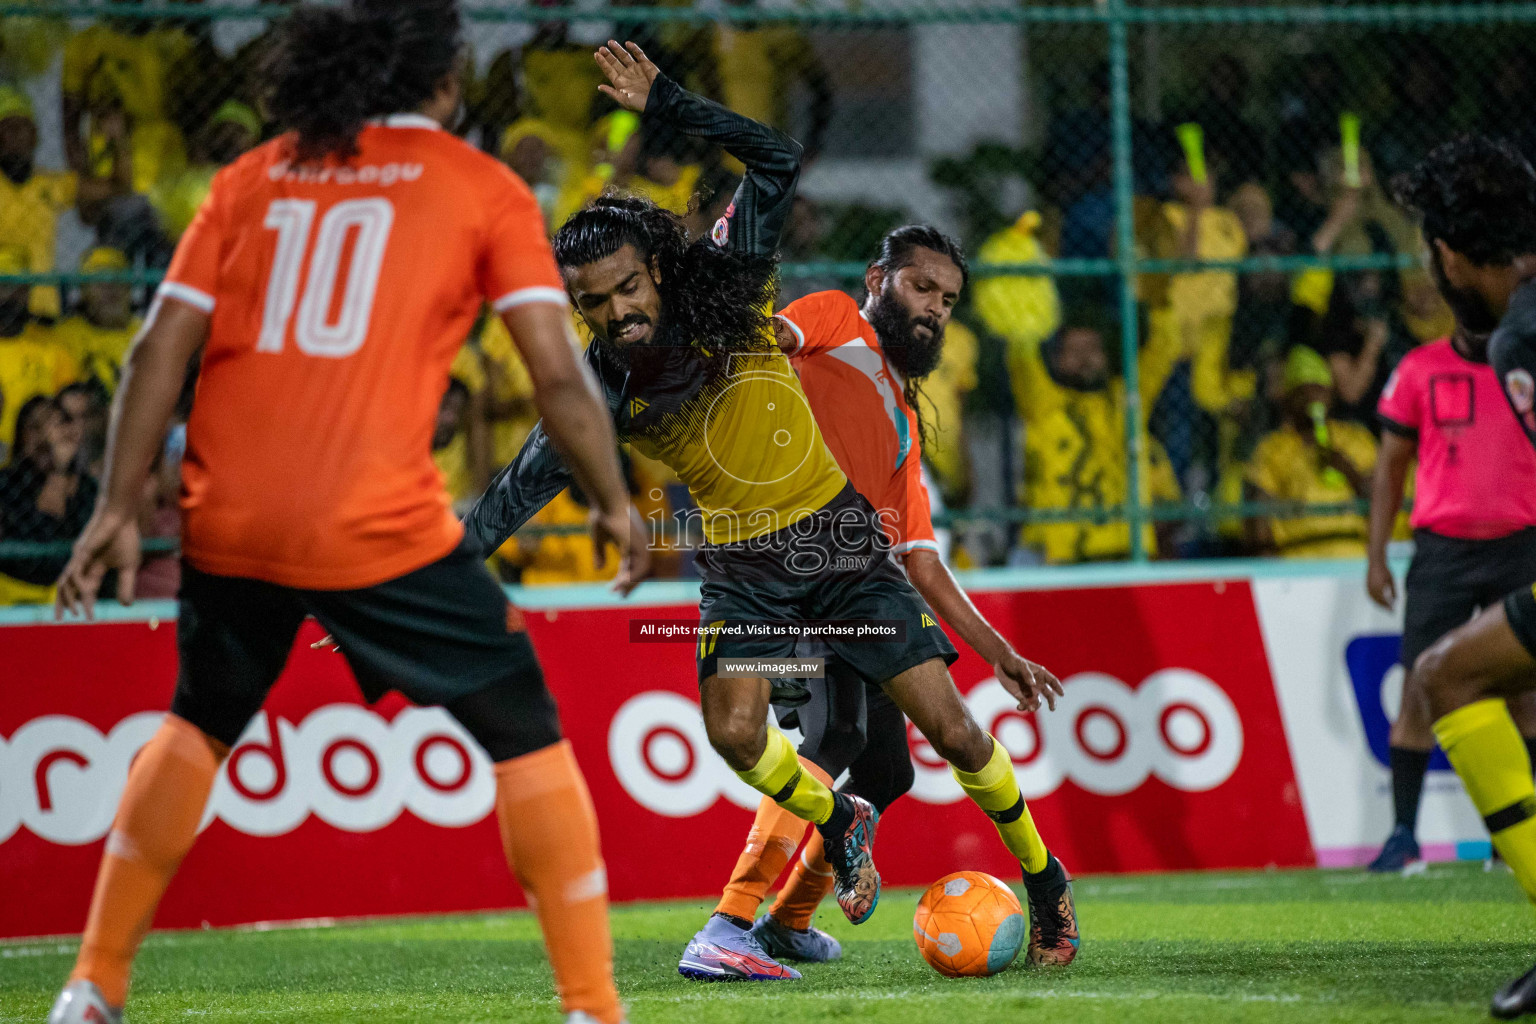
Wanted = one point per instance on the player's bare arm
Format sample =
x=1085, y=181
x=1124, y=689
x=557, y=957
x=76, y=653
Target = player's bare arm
x=579, y=425
x=1396, y=455
x=153, y=375
x=1026, y=682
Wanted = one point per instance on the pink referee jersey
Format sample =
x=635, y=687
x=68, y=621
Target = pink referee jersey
x=859, y=406
x=1477, y=473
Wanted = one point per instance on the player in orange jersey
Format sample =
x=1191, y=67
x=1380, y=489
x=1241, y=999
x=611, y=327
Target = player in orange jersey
x=329, y=279
x=862, y=368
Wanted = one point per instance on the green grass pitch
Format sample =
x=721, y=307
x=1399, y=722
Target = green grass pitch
x=1303, y=946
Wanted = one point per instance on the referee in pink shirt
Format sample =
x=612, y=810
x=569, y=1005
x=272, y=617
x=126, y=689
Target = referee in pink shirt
x=1474, y=531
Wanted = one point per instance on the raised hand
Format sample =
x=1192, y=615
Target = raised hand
x=629, y=72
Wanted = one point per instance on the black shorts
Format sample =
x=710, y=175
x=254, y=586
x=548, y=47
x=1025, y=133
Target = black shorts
x=436, y=634
x=833, y=565
x=1520, y=610
x=1449, y=579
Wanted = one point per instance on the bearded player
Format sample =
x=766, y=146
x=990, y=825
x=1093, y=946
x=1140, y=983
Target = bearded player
x=326, y=343
x=685, y=350
x=862, y=369
x=1476, y=199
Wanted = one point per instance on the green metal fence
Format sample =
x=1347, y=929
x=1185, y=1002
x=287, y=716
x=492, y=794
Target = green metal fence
x=1143, y=56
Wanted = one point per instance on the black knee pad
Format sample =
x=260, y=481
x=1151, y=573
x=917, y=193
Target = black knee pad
x=883, y=772
x=832, y=721
x=511, y=717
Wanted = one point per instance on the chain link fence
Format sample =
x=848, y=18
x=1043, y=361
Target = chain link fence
x=1189, y=281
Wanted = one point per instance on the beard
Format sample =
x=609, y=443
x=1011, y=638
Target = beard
x=16, y=166
x=1469, y=307
x=896, y=327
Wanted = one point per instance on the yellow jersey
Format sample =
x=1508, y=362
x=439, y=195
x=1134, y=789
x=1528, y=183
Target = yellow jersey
x=29, y=218
x=1285, y=466
x=98, y=351
x=745, y=441
x=32, y=363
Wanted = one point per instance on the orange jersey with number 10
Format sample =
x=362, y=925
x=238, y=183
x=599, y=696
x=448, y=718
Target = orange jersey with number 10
x=339, y=294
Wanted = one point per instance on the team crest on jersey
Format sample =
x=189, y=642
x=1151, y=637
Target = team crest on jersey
x=722, y=229
x=1522, y=390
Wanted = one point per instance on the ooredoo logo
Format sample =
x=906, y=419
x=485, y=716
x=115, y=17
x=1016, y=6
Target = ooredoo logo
x=1104, y=736
x=61, y=778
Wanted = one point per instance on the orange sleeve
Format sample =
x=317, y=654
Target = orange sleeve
x=820, y=321
x=517, y=264
x=912, y=526
x=193, y=276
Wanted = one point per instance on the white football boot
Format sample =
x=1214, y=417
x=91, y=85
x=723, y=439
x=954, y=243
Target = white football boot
x=577, y=1017
x=81, y=1002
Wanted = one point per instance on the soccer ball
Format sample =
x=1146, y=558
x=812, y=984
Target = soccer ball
x=969, y=924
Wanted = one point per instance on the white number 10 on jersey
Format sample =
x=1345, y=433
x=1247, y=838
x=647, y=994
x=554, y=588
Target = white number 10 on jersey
x=314, y=332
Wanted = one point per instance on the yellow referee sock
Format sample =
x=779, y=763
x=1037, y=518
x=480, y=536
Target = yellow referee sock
x=1487, y=752
x=780, y=776
x=996, y=791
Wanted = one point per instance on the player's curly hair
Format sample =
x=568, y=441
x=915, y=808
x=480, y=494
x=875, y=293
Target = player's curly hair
x=711, y=297
x=336, y=67
x=1477, y=195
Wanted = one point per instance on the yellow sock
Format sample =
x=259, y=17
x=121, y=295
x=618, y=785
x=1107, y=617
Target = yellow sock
x=1487, y=752
x=996, y=791
x=780, y=775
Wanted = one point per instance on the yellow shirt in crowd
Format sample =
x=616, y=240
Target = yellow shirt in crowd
x=1286, y=467
x=944, y=393
x=1074, y=458
x=757, y=66
x=29, y=217
x=560, y=558
x=159, y=154
x=136, y=68
x=31, y=364
x=98, y=351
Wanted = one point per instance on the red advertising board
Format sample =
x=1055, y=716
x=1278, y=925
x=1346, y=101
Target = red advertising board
x=1168, y=752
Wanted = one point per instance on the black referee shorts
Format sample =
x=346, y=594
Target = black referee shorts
x=1449, y=579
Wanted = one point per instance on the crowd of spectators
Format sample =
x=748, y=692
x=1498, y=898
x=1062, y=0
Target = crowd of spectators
x=1254, y=386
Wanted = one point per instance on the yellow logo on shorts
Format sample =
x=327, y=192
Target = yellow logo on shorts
x=707, y=637
x=928, y=620
x=637, y=406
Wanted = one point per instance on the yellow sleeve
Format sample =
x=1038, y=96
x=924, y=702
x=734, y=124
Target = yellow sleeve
x=1213, y=383
x=1035, y=395
x=1263, y=467
x=1356, y=444
x=1158, y=356
x=159, y=154
x=80, y=53
x=959, y=357
x=64, y=187
x=66, y=368
x=1162, y=481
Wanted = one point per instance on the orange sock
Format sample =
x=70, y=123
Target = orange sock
x=549, y=830
x=167, y=790
x=775, y=834
x=808, y=885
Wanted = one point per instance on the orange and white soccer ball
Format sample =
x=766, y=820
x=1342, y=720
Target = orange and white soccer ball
x=969, y=925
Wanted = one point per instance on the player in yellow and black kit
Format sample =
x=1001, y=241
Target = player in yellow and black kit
x=1476, y=199
x=688, y=360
